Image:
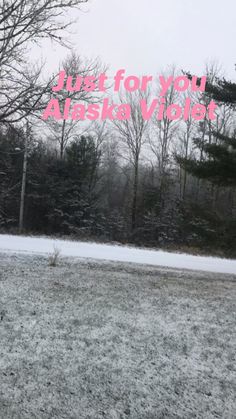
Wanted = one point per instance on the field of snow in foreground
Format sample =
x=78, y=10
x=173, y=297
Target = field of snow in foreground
x=116, y=253
x=95, y=340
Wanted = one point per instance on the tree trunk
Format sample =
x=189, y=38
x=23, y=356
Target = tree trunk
x=62, y=142
x=134, y=201
x=23, y=185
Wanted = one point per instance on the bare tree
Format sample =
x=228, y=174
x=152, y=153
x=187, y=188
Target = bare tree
x=162, y=136
x=75, y=66
x=184, y=146
x=23, y=22
x=132, y=132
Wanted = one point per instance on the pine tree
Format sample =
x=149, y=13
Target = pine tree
x=218, y=164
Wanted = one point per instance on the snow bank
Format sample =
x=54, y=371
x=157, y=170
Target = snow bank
x=12, y=243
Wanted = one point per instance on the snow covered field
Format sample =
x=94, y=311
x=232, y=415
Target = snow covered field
x=93, y=340
x=116, y=253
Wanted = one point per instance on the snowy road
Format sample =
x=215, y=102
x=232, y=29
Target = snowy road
x=12, y=243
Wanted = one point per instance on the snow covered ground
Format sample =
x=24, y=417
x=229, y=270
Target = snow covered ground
x=103, y=340
x=12, y=243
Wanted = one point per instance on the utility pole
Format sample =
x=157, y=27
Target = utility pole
x=23, y=182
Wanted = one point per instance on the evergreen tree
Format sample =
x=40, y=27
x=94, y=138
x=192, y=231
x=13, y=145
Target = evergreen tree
x=11, y=161
x=217, y=158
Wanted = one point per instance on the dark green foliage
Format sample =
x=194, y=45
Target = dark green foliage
x=11, y=160
x=222, y=91
x=85, y=196
x=68, y=190
x=219, y=163
x=217, y=160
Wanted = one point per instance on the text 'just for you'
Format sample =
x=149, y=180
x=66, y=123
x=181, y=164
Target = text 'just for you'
x=105, y=110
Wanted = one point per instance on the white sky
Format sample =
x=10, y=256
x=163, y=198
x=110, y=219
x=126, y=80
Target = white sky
x=147, y=36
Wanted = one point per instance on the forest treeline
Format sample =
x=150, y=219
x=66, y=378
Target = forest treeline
x=97, y=190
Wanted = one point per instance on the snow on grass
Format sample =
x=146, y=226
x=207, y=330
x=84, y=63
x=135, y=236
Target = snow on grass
x=117, y=253
x=95, y=340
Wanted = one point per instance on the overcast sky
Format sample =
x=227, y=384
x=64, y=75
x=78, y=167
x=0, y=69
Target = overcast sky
x=145, y=36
